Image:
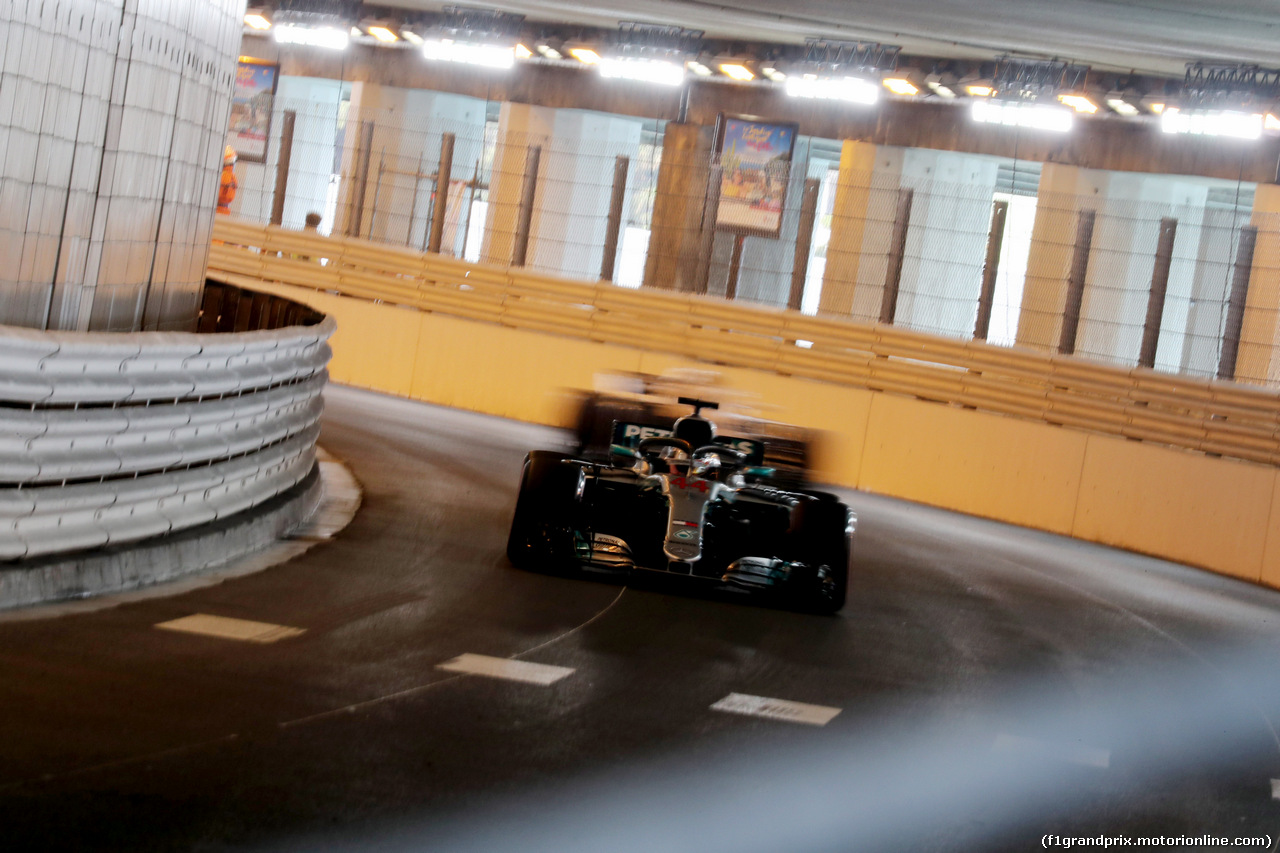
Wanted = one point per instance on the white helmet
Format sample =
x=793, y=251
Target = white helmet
x=229, y=156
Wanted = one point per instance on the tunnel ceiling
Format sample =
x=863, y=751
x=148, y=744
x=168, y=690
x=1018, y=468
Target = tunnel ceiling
x=1156, y=37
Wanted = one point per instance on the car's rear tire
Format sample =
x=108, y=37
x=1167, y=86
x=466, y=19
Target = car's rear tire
x=541, y=536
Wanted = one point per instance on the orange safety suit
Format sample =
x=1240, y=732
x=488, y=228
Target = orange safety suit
x=227, y=188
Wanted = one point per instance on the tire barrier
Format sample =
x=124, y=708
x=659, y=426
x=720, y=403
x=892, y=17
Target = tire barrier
x=108, y=439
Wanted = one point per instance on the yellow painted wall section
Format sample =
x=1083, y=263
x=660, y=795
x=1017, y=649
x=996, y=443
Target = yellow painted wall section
x=974, y=462
x=1260, y=332
x=1182, y=506
x=374, y=346
x=508, y=372
x=1271, y=554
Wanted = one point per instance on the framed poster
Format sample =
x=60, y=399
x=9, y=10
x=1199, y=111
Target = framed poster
x=251, y=106
x=755, y=163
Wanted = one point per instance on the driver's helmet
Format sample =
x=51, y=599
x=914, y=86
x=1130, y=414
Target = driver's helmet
x=696, y=430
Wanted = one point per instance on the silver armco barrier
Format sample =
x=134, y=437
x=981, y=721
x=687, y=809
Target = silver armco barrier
x=109, y=439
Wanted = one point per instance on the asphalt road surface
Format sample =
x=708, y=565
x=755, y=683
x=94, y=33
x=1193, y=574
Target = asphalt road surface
x=985, y=686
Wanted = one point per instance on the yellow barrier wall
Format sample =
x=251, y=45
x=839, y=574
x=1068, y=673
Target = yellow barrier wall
x=1167, y=502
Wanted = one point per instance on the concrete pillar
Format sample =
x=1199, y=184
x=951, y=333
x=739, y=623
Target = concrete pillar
x=571, y=209
x=520, y=126
x=112, y=117
x=1258, y=360
x=1063, y=192
x=408, y=125
x=1210, y=286
x=1188, y=206
x=848, y=230
x=676, y=231
x=947, y=240
x=571, y=205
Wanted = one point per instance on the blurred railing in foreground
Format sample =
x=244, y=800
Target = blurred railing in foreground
x=1212, y=416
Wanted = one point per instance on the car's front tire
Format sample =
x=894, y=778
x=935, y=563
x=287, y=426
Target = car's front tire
x=541, y=536
x=820, y=542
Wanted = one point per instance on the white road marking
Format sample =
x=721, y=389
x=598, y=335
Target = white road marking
x=511, y=670
x=776, y=709
x=1275, y=789
x=1087, y=756
x=227, y=628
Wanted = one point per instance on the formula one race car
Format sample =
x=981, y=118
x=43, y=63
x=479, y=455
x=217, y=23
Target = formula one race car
x=687, y=503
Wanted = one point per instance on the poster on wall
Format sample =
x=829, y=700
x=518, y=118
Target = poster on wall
x=251, y=104
x=755, y=163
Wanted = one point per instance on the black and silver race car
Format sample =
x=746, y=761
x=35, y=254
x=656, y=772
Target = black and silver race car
x=683, y=502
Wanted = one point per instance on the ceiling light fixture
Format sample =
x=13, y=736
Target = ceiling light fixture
x=773, y=74
x=1022, y=114
x=327, y=37
x=852, y=89
x=549, y=52
x=486, y=55
x=1123, y=107
x=585, y=55
x=1079, y=103
x=940, y=90
x=658, y=71
x=1212, y=123
x=698, y=68
x=741, y=73
x=382, y=34
x=900, y=86
x=412, y=37
x=980, y=91
x=258, y=22
x=523, y=52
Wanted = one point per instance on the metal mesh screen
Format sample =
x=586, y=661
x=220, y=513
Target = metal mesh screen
x=588, y=196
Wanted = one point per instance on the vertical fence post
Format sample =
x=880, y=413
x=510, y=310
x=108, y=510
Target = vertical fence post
x=377, y=191
x=1235, y=306
x=735, y=266
x=282, y=166
x=804, y=242
x=897, y=250
x=710, y=210
x=1075, y=282
x=413, y=205
x=361, y=179
x=472, y=185
x=527, y=192
x=620, y=166
x=1159, y=287
x=990, y=269
x=441, y=205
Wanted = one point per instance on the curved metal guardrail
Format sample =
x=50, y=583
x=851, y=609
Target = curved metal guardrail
x=107, y=439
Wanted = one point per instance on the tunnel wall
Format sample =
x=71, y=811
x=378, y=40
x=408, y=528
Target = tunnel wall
x=1172, y=502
